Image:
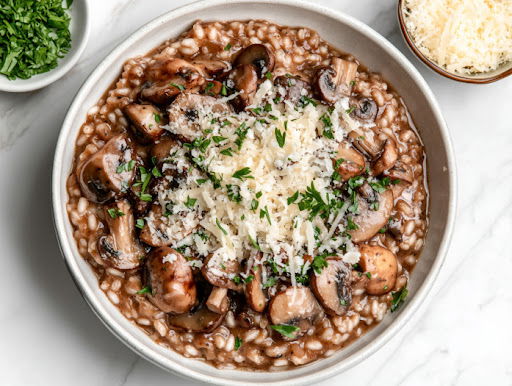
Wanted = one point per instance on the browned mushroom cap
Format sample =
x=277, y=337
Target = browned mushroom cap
x=350, y=162
x=120, y=248
x=169, y=78
x=254, y=292
x=368, y=143
x=160, y=230
x=218, y=301
x=365, y=109
x=387, y=159
x=221, y=272
x=146, y=121
x=293, y=86
x=332, y=287
x=331, y=82
x=173, y=288
x=245, y=80
x=108, y=172
x=295, y=306
x=259, y=55
x=382, y=266
x=373, y=215
x=185, y=113
x=199, y=320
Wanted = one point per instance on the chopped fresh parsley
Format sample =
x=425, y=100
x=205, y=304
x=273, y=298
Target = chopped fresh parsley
x=145, y=290
x=139, y=223
x=293, y=198
x=248, y=279
x=178, y=86
x=227, y=152
x=351, y=225
x=271, y=281
x=280, y=137
x=218, y=138
x=243, y=173
x=220, y=226
x=254, y=204
x=268, y=75
x=398, y=298
x=254, y=243
x=34, y=35
x=125, y=167
x=238, y=343
x=286, y=330
x=227, y=47
x=157, y=117
x=201, y=181
x=234, y=193
x=241, y=133
x=190, y=202
x=319, y=263
x=114, y=213
x=265, y=213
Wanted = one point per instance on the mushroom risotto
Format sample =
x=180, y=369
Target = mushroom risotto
x=250, y=196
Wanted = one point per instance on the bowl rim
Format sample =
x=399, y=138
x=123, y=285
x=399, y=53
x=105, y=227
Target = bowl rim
x=88, y=293
x=47, y=78
x=434, y=66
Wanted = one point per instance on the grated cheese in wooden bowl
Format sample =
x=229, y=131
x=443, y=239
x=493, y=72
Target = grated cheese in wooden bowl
x=462, y=36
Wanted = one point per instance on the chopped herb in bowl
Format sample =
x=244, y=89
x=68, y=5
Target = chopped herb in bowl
x=34, y=35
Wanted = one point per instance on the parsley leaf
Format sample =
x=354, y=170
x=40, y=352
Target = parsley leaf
x=114, y=213
x=243, y=173
x=280, y=137
x=398, y=298
x=286, y=330
x=220, y=226
x=238, y=343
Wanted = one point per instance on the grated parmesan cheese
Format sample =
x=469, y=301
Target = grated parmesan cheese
x=464, y=36
x=242, y=214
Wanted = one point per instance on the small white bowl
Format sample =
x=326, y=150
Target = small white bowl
x=343, y=32
x=79, y=27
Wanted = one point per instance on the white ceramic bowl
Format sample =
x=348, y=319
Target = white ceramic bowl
x=343, y=32
x=79, y=27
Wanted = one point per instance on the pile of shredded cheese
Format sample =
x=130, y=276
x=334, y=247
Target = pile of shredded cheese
x=464, y=36
x=248, y=216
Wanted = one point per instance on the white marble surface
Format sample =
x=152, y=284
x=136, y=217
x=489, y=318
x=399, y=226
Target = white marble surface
x=48, y=335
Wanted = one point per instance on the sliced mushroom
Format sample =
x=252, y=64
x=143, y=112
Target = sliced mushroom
x=108, y=172
x=146, y=121
x=254, y=294
x=367, y=143
x=295, y=306
x=212, y=67
x=170, y=78
x=365, y=109
x=187, y=110
x=221, y=272
x=332, y=287
x=387, y=159
x=162, y=229
x=243, y=79
x=173, y=288
x=120, y=248
x=401, y=177
x=331, y=82
x=294, y=88
x=199, y=320
x=373, y=215
x=218, y=300
x=161, y=150
x=346, y=72
x=259, y=55
x=382, y=266
x=350, y=162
